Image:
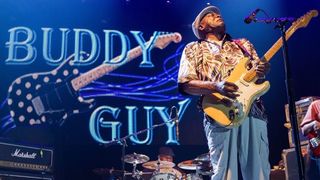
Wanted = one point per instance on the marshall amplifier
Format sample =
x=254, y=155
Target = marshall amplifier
x=25, y=157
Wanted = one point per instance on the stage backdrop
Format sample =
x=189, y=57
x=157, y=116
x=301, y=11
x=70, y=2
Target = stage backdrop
x=134, y=46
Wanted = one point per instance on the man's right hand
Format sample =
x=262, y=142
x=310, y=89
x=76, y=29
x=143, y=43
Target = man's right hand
x=228, y=89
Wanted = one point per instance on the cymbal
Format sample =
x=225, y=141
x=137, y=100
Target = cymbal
x=156, y=164
x=203, y=158
x=188, y=165
x=135, y=158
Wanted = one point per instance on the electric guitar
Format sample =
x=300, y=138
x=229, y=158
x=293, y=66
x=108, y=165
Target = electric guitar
x=51, y=97
x=314, y=143
x=213, y=104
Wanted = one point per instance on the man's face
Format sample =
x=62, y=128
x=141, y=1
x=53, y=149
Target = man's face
x=213, y=21
x=166, y=158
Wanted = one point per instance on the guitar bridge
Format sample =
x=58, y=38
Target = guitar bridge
x=38, y=105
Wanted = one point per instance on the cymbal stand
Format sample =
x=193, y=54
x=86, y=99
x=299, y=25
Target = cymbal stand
x=136, y=173
x=198, y=172
x=157, y=171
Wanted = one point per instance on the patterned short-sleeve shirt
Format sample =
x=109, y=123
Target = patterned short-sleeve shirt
x=208, y=61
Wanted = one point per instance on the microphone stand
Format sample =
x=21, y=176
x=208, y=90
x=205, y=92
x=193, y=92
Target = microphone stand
x=123, y=140
x=281, y=22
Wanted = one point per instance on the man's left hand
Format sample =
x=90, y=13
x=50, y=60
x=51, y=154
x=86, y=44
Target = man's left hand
x=262, y=68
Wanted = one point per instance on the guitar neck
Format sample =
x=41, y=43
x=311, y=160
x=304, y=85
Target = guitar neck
x=160, y=42
x=94, y=74
x=277, y=45
x=252, y=74
x=301, y=22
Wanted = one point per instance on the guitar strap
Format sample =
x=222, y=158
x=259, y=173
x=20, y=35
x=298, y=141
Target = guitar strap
x=243, y=49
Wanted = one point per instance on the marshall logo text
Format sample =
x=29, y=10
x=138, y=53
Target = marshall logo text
x=19, y=154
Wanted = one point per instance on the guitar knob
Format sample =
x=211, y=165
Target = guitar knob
x=43, y=118
x=236, y=111
x=231, y=115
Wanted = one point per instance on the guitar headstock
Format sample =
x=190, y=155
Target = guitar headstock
x=164, y=39
x=304, y=20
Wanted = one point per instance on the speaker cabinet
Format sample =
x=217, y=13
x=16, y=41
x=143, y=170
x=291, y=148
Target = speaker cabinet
x=13, y=175
x=290, y=162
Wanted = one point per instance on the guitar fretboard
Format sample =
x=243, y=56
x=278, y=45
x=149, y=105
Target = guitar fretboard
x=103, y=69
x=252, y=75
x=277, y=45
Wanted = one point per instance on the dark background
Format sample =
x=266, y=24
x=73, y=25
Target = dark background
x=77, y=154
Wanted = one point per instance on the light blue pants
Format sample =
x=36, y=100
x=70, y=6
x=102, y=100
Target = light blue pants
x=247, y=144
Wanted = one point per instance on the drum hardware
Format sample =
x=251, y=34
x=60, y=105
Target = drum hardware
x=162, y=170
x=135, y=159
x=123, y=141
x=114, y=172
x=166, y=173
x=204, y=168
x=201, y=164
x=203, y=158
x=192, y=165
x=164, y=176
x=194, y=176
x=188, y=165
x=156, y=165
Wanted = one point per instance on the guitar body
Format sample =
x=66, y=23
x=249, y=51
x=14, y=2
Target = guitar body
x=234, y=115
x=314, y=143
x=44, y=97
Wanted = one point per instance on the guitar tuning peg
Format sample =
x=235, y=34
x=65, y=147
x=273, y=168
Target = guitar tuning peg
x=61, y=121
x=80, y=99
x=91, y=103
x=84, y=54
x=65, y=116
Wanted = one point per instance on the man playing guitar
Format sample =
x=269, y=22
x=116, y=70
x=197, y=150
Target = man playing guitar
x=310, y=127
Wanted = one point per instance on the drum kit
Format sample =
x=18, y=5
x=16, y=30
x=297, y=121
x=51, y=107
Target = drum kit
x=199, y=168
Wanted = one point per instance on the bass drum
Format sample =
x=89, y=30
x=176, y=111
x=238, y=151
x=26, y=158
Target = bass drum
x=194, y=177
x=170, y=172
x=164, y=176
